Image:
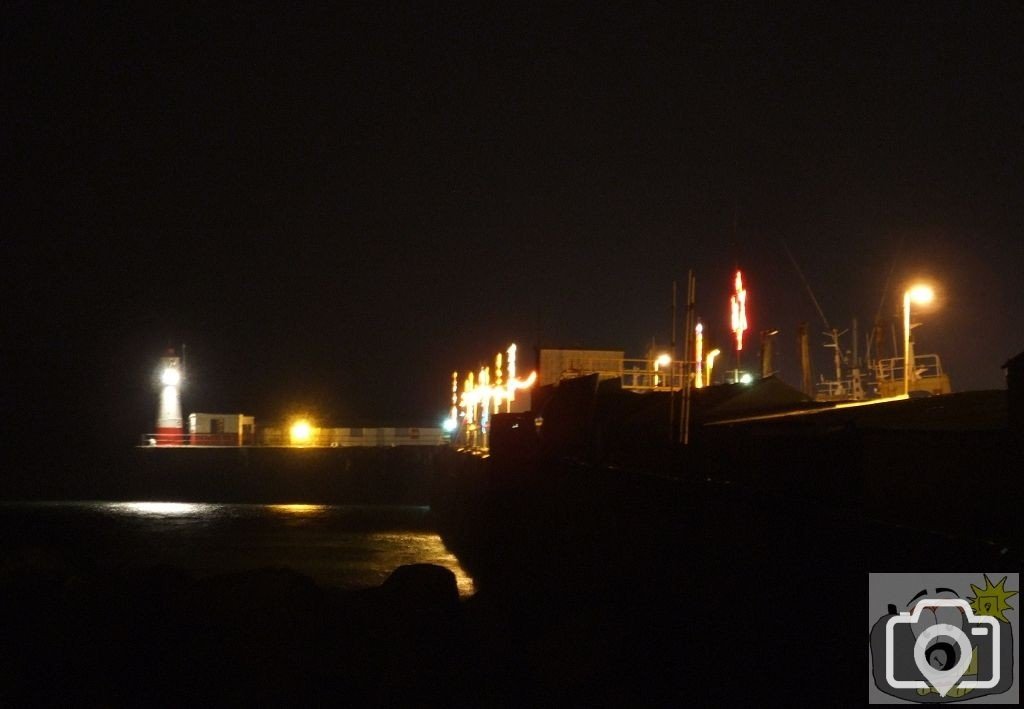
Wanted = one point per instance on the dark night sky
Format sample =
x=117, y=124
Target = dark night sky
x=335, y=208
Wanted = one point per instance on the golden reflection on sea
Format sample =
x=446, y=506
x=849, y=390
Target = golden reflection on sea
x=336, y=545
x=298, y=509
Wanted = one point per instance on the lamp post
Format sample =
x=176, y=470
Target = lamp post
x=711, y=364
x=662, y=360
x=699, y=356
x=920, y=294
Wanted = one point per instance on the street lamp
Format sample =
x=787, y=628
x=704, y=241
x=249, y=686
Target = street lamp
x=921, y=294
x=699, y=356
x=301, y=432
x=663, y=360
x=711, y=363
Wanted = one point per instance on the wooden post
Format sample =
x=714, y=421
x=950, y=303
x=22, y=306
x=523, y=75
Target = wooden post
x=805, y=360
x=691, y=297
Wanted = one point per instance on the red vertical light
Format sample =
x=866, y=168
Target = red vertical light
x=738, y=301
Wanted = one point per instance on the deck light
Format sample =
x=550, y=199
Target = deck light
x=922, y=294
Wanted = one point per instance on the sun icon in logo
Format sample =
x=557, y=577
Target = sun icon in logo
x=991, y=600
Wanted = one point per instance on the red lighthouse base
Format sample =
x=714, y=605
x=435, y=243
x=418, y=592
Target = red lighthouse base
x=170, y=436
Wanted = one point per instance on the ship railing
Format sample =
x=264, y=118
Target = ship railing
x=925, y=367
x=210, y=439
x=855, y=387
x=328, y=439
x=843, y=390
x=830, y=390
x=637, y=374
x=164, y=439
x=356, y=437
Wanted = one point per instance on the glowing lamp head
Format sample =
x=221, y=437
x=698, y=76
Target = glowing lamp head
x=921, y=294
x=449, y=425
x=745, y=378
x=301, y=432
x=171, y=377
x=663, y=360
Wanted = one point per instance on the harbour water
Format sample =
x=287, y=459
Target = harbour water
x=338, y=546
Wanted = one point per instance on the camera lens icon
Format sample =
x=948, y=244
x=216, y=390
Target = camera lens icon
x=946, y=677
x=938, y=663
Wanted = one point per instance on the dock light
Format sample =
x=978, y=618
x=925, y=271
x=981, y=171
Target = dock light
x=710, y=360
x=745, y=378
x=484, y=395
x=454, y=413
x=663, y=360
x=922, y=294
x=301, y=432
x=699, y=355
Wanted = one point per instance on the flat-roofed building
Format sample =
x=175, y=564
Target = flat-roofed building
x=221, y=429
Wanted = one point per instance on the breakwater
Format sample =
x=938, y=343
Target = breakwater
x=574, y=521
x=694, y=589
x=730, y=570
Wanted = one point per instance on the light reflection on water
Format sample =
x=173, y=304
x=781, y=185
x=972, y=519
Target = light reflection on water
x=302, y=510
x=336, y=545
x=167, y=509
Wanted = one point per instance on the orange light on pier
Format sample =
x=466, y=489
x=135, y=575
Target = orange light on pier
x=301, y=432
x=470, y=398
x=699, y=356
x=514, y=383
x=454, y=417
x=483, y=395
x=662, y=360
x=711, y=364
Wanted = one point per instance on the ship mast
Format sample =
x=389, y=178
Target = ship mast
x=836, y=388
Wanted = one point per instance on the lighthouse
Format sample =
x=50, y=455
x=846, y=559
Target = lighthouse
x=169, y=428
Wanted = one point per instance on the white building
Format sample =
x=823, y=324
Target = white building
x=221, y=430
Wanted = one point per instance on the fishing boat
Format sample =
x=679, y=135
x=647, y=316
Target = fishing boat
x=857, y=379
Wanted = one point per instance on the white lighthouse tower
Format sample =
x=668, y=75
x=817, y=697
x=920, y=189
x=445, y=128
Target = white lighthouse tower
x=169, y=426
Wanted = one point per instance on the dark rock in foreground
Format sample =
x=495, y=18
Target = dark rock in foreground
x=158, y=635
